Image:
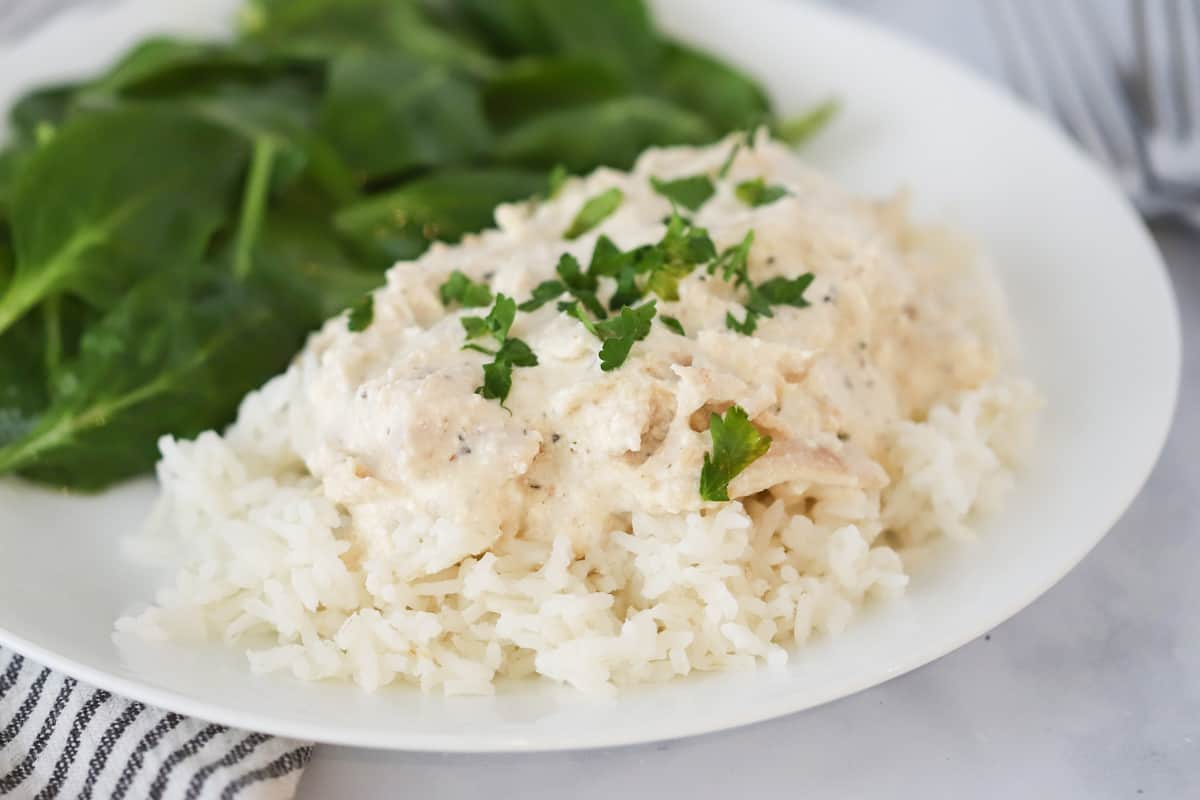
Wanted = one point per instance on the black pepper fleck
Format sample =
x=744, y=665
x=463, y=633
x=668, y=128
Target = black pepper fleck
x=987, y=637
x=555, y=437
x=464, y=451
x=843, y=436
x=487, y=276
x=770, y=259
x=535, y=486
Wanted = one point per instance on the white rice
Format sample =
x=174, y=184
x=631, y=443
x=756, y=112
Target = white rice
x=271, y=566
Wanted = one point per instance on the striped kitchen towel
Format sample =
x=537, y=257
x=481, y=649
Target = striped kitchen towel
x=63, y=739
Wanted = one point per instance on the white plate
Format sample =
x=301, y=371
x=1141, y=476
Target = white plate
x=1086, y=285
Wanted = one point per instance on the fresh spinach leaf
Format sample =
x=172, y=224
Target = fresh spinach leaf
x=170, y=358
x=100, y=205
x=325, y=29
x=527, y=87
x=385, y=113
x=23, y=381
x=611, y=132
x=400, y=224
x=722, y=95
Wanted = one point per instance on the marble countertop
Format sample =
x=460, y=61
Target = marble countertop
x=1092, y=692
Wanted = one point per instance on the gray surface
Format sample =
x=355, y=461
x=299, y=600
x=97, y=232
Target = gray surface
x=1093, y=692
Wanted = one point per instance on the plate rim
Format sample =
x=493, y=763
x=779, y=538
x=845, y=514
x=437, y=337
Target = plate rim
x=664, y=729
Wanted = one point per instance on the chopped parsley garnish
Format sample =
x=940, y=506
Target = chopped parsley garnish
x=673, y=324
x=683, y=248
x=466, y=292
x=738, y=144
x=618, y=333
x=496, y=324
x=554, y=183
x=582, y=285
x=736, y=445
x=758, y=192
x=497, y=374
x=734, y=266
x=362, y=314
x=800, y=129
x=690, y=192
x=594, y=211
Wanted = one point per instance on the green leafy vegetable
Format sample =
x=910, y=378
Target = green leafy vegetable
x=757, y=192
x=690, y=192
x=734, y=266
x=529, y=87
x=458, y=288
x=385, y=113
x=619, y=333
x=543, y=293
x=90, y=225
x=594, y=211
x=800, y=129
x=400, y=224
x=556, y=180
x=361, y=315
x=612, y=132
x=275, y=176
x=171, y=357
x=726, y=98
x=672, y=324
x=736, y=445
x=786, y=291
x=496, y=324
x=497, y=374
x=683, y=248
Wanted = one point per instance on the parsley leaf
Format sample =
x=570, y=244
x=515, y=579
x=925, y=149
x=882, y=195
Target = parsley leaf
x=786, y=291
x=496, y=324
x=607, y=258
x=800, y=129
x=683, y=248
x=497, y=374
x=469, y=294
x=619, y=333
x=362, y=314
x=594, y=211
x=734, y=266
x=733, y=263
x=543, y=293
x=690, y=192
x=497, y=381
x=736, y=445
x=672, y=324
x=746, y=327
x=738, y=144
x=554, y=182
x=758, y=193
x=582, y=285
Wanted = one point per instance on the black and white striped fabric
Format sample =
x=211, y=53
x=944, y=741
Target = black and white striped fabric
x=63, y=739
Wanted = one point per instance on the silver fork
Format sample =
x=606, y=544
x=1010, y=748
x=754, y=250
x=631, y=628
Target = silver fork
x=1140, y=118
